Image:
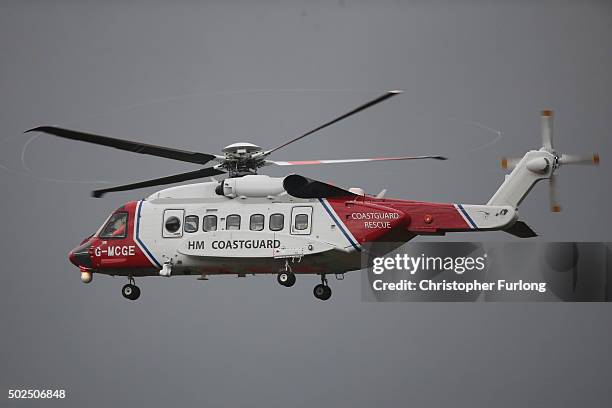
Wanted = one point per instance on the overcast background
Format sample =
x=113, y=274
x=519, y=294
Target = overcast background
x=202, y=76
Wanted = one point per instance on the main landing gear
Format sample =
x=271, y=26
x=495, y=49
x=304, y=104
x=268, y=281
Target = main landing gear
x=322, y=291
x=287, y=278
x=131, y=291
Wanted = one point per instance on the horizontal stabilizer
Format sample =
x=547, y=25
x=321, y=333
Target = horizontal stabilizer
x=521, y=230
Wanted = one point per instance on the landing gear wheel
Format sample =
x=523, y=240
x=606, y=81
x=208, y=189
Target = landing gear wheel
x=130, y=291
x=322, y=291
x=286, y=278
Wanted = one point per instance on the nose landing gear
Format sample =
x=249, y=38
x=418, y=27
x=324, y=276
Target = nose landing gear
x=322, y=291
x=131, y=291
x=286, y=277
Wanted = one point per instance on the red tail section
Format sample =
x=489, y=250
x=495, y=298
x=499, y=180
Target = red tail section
x=369, y=219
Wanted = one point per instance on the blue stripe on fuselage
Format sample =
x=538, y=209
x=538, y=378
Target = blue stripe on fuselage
x=471, y=221
x=138, y=238
x=339, y=224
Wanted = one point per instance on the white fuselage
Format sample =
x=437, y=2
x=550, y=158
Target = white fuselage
x=252, y=235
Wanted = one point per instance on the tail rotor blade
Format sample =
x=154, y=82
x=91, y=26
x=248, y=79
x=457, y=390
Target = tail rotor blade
x=547, y=129
x=554, y=202
x=509, y=162
x=592, y=160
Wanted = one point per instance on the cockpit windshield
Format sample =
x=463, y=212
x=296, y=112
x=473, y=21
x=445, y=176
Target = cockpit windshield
x=116, y=226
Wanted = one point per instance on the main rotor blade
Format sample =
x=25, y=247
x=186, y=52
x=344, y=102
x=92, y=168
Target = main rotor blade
x=381, y=98
x=339, y=161
x=130, y=146
x=192, y=175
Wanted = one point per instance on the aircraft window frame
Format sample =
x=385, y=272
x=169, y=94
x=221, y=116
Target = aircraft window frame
x=186, y=223
x=178, y=228
x=261, y=226
x=301, y=227
x=209, y=217
x=105, y=235
x=227, y=221
x=271, y=224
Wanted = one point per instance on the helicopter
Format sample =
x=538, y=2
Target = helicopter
x=250, y=223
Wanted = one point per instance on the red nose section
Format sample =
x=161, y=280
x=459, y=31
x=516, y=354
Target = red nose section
x=80, y=256
x=72, y=258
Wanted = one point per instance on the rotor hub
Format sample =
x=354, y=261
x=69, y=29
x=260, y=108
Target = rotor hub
x=241, y=149
x=242, y=158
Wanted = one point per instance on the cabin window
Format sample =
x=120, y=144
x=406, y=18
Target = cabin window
x=173, y=224
x=192, y=223
x=209, y=223
x=257, y=222
x=277, y=222
x=301, y=222
x=232, y=222
x=116, y=227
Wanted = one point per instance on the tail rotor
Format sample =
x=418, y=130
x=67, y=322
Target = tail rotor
x=536, y=165
x=560, y=159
